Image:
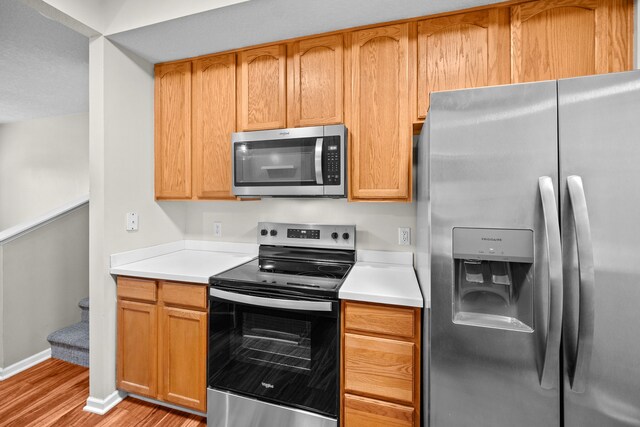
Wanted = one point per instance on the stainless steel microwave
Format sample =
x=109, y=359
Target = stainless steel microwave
x=296, y=162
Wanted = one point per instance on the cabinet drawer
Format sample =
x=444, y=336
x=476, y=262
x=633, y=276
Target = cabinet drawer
x=380, y=319
x=363, y=412
x=184, y=295
x=137, y=289
x=379, y=367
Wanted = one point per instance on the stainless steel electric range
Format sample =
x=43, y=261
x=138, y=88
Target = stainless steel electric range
x=274, y=330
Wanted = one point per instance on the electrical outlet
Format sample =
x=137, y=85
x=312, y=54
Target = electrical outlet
x=217, y=229
x=132, y=221
x=404, y=236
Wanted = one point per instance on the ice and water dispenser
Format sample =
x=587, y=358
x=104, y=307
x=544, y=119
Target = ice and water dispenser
x=493, y=285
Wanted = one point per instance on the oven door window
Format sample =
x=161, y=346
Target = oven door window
x=273, y=163
x=281, y=356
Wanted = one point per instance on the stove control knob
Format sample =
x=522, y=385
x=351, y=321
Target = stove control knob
x=345, y=236
x=334, y=235
x=274, y=232
x=263, y=232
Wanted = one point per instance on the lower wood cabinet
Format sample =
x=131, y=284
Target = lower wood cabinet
x=380, y=365
x=162, y=341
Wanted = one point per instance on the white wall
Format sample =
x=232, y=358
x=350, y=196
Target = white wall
x=121, y=157
x=44, y=163
x=376, y=223
x=636, y=28
x=38, y=301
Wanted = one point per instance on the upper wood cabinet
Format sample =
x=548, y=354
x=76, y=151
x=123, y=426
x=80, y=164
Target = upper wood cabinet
x=173, y=131
x=315, y=84
x=554, y=39
x=462, y=51
x=214, y=119
x=262, y=88
x=379, y=119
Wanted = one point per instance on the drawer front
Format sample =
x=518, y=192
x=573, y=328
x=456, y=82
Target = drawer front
x=364, y=412
x=380, y=319
x=137, y=289
x=379, y=367
x=184, y=295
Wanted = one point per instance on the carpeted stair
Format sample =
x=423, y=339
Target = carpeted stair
x=71, y=344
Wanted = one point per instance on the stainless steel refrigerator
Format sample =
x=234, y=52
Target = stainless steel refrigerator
x=528, y=243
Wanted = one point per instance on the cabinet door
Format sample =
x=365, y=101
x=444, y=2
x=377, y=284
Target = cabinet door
x=380, y=122
x=462, y=51
x=554, y=39
x=262, y=88
x=183, y=350
x=173, y=131
x=364, y=412
x=317, y=82
x=214, y=119
x=137, y=348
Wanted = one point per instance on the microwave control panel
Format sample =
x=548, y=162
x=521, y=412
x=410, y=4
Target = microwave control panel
x=331, y=167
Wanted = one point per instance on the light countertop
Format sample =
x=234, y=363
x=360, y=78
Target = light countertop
x=378, y=276
x=383, y=277
x=184, y=261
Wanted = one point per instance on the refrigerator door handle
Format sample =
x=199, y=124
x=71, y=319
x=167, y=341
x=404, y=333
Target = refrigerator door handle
x=586, y=284
x=548, y=374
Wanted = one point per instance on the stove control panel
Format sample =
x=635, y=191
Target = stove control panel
x=307, y=235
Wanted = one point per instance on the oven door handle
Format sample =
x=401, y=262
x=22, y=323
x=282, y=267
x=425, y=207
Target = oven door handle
x=272, y=302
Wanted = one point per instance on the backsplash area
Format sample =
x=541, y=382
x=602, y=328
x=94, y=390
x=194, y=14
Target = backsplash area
x=376, y=223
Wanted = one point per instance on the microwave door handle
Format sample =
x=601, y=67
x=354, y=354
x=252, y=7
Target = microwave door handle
x=319, y=161
x=586, y=282
x=551, y=360
x=271, y=302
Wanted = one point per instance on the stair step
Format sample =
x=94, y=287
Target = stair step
x=84, y=307
x=71, y=344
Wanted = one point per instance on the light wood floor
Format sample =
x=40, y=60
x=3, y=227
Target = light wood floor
x=54, y=392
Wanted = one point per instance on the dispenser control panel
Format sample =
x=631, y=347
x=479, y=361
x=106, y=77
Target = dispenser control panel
x=493, y=244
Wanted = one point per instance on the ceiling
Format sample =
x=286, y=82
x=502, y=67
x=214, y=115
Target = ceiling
x=44, y=65
x=262, y=21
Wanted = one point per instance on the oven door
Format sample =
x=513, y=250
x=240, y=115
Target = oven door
x=278, y=350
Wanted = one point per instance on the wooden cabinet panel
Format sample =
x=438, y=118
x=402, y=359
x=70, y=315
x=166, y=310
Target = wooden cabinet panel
x=380, y=319
x=173, y=131
x=184, y=295
x=554, y=39
x=379, y=367
x=364, y=412
x=380, y=121
x=137, y=348
x=183, y=354
x=462, y=51
x=214, y=119
x=137, y=289
x=316, y=97
x=262, y=88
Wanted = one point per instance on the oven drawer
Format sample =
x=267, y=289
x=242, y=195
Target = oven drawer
x=379, y=367
x=380, y=319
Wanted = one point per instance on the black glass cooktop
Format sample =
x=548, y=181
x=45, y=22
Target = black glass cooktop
x=318, y=279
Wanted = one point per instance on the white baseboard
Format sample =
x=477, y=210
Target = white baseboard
x=25, y=364
x=102, y=406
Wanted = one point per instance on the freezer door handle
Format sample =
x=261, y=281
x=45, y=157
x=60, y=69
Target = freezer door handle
x=550, y=363
x=586, y=284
